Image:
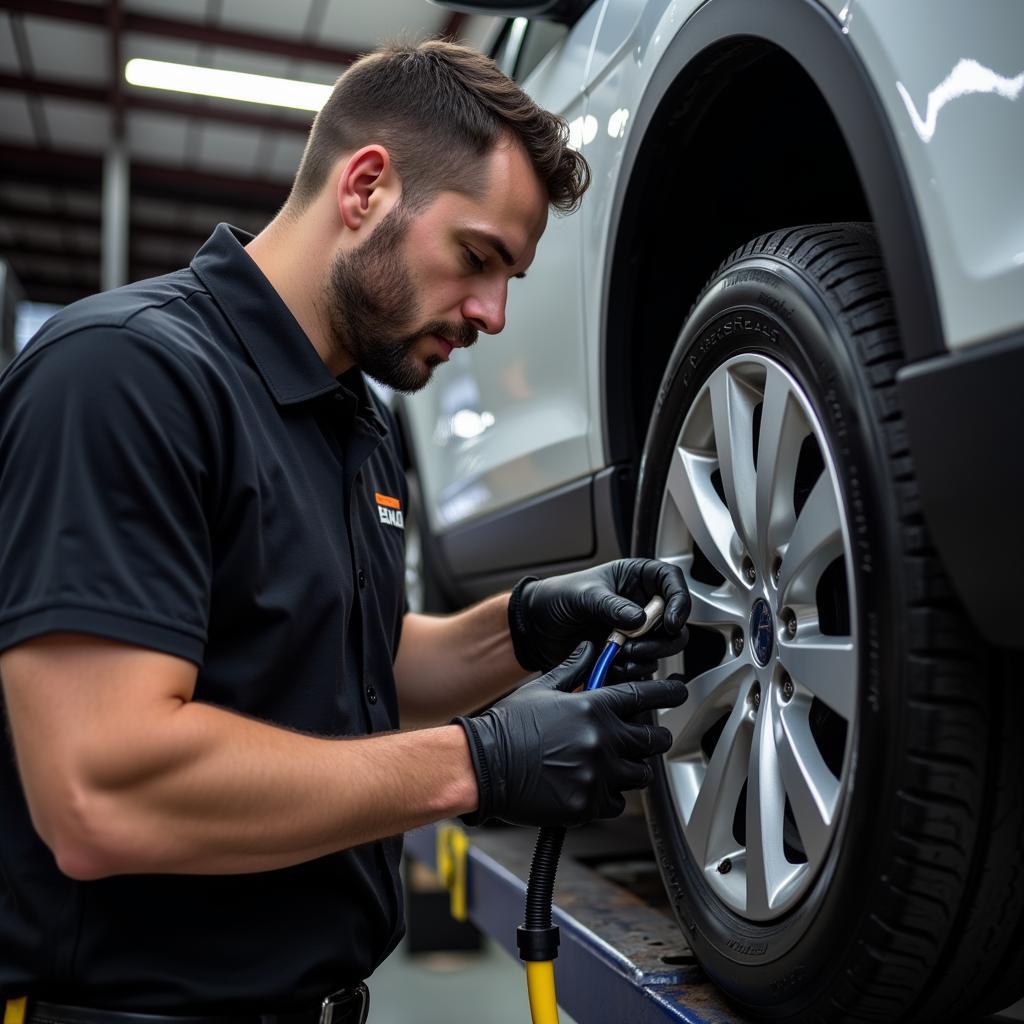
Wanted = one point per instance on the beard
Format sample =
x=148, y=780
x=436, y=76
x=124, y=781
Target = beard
x=371, y=301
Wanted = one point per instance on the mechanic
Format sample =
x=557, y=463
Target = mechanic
x=205, y=643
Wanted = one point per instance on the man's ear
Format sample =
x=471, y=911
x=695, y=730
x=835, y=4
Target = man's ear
x=363, y=183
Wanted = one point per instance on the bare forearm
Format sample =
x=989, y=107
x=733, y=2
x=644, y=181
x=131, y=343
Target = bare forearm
x=210, y=792
x=448, y=665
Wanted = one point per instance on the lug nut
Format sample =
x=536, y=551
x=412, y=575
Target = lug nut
x=789, y=618
x=724, y=866
x=777, y=568
x=755, y=696
x=737, y=642
x=787, y=688
x=749, y=571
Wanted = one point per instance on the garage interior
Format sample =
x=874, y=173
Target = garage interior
x=104, y=182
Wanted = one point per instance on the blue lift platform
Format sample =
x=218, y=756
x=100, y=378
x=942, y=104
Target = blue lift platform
x=622, y=959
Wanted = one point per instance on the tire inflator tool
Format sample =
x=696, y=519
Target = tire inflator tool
x=537, y=937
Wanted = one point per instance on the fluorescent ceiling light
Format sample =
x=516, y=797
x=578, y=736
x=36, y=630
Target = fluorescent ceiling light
x=226, y=85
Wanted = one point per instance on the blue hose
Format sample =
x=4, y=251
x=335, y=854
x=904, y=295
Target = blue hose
x=596, y=680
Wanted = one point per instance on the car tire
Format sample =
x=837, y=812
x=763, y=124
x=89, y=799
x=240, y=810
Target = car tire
x=839, y=822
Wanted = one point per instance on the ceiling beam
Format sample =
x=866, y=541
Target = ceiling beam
x=50, y=167
x=79, y=283
x=86, y=258
x=251, y=116
x=219, y=35
x=84, y=92
x=73, y=169
x=25, y=247
x=87, y=265
x=193, y=31
x=220, y=189
x=65, y=10
x=12, y=213
x=60, y=293
x=57, y=89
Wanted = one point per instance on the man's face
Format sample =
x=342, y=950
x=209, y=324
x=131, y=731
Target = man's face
x=425, y=283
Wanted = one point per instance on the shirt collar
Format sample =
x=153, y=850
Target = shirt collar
x=353, y=387
x=284, y=356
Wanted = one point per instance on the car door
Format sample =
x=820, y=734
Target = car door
x=507, y=420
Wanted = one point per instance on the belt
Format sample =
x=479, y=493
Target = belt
x=347, y=1006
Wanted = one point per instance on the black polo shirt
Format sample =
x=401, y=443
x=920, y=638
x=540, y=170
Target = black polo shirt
x=179, y=471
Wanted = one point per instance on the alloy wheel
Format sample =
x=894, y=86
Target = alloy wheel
x=761, y=759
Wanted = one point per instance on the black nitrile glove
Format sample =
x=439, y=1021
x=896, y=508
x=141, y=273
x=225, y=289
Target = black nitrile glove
x=546, y=756
x=548, y=618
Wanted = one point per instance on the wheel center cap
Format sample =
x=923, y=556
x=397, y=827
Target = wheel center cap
x=762, y=630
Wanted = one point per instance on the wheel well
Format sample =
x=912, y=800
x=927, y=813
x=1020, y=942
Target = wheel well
x=742, y=143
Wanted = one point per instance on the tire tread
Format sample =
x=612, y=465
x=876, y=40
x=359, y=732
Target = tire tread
x=943, y=818
x=946, y=934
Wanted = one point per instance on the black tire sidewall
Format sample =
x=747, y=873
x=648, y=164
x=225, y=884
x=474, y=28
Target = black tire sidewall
x=767, y=306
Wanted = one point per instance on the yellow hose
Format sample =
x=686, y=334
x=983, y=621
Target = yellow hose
x=540, y=983
x=14, y=1010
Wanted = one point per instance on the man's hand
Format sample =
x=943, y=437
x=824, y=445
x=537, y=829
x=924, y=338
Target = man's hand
x=548, y=618
x=546, y=756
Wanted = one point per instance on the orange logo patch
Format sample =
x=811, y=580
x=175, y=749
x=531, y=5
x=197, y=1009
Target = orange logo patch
x=390, y=510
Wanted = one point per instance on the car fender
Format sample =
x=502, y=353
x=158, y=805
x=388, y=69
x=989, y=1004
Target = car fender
x=956, y=107
x=810, y=34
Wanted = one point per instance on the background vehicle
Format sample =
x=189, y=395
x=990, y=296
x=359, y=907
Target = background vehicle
x=779, y=344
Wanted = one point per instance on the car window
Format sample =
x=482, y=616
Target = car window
x=541, y=38
x=507, y=46
x=522, y=44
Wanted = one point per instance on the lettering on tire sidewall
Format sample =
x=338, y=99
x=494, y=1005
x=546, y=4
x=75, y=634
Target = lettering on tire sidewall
x=723, y=329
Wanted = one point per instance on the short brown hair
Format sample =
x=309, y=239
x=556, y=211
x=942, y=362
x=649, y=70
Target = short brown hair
x=438, y=108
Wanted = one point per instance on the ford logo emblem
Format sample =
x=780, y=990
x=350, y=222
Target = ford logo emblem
x=762, y=629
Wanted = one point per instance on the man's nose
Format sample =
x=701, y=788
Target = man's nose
x=485, y=309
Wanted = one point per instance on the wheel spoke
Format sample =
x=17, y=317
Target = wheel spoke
x=706, y=517
x=708, y=696
x=732, y=410
x=711, y=606
x=825, y=666
x=817, y=540
x=812, y=789
x=714, y=606
x=710, y=825
x=783, y=428
x=767, y=867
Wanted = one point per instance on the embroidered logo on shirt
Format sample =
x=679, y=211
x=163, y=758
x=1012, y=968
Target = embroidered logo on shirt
x=390, y=511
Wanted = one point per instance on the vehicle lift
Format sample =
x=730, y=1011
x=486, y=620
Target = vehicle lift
x=622, y=956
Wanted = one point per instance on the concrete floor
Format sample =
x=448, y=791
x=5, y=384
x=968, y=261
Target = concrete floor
x=443, y=988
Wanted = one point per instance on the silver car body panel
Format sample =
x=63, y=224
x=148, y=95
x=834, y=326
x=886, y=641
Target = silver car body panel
x=510, y=417
x=522, y=414
x=951, y=79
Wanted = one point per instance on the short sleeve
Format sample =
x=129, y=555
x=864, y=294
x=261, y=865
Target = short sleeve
x=107, y=446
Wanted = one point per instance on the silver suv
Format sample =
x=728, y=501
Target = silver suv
x=781, y=345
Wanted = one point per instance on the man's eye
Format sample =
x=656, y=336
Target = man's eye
x=473, y=260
